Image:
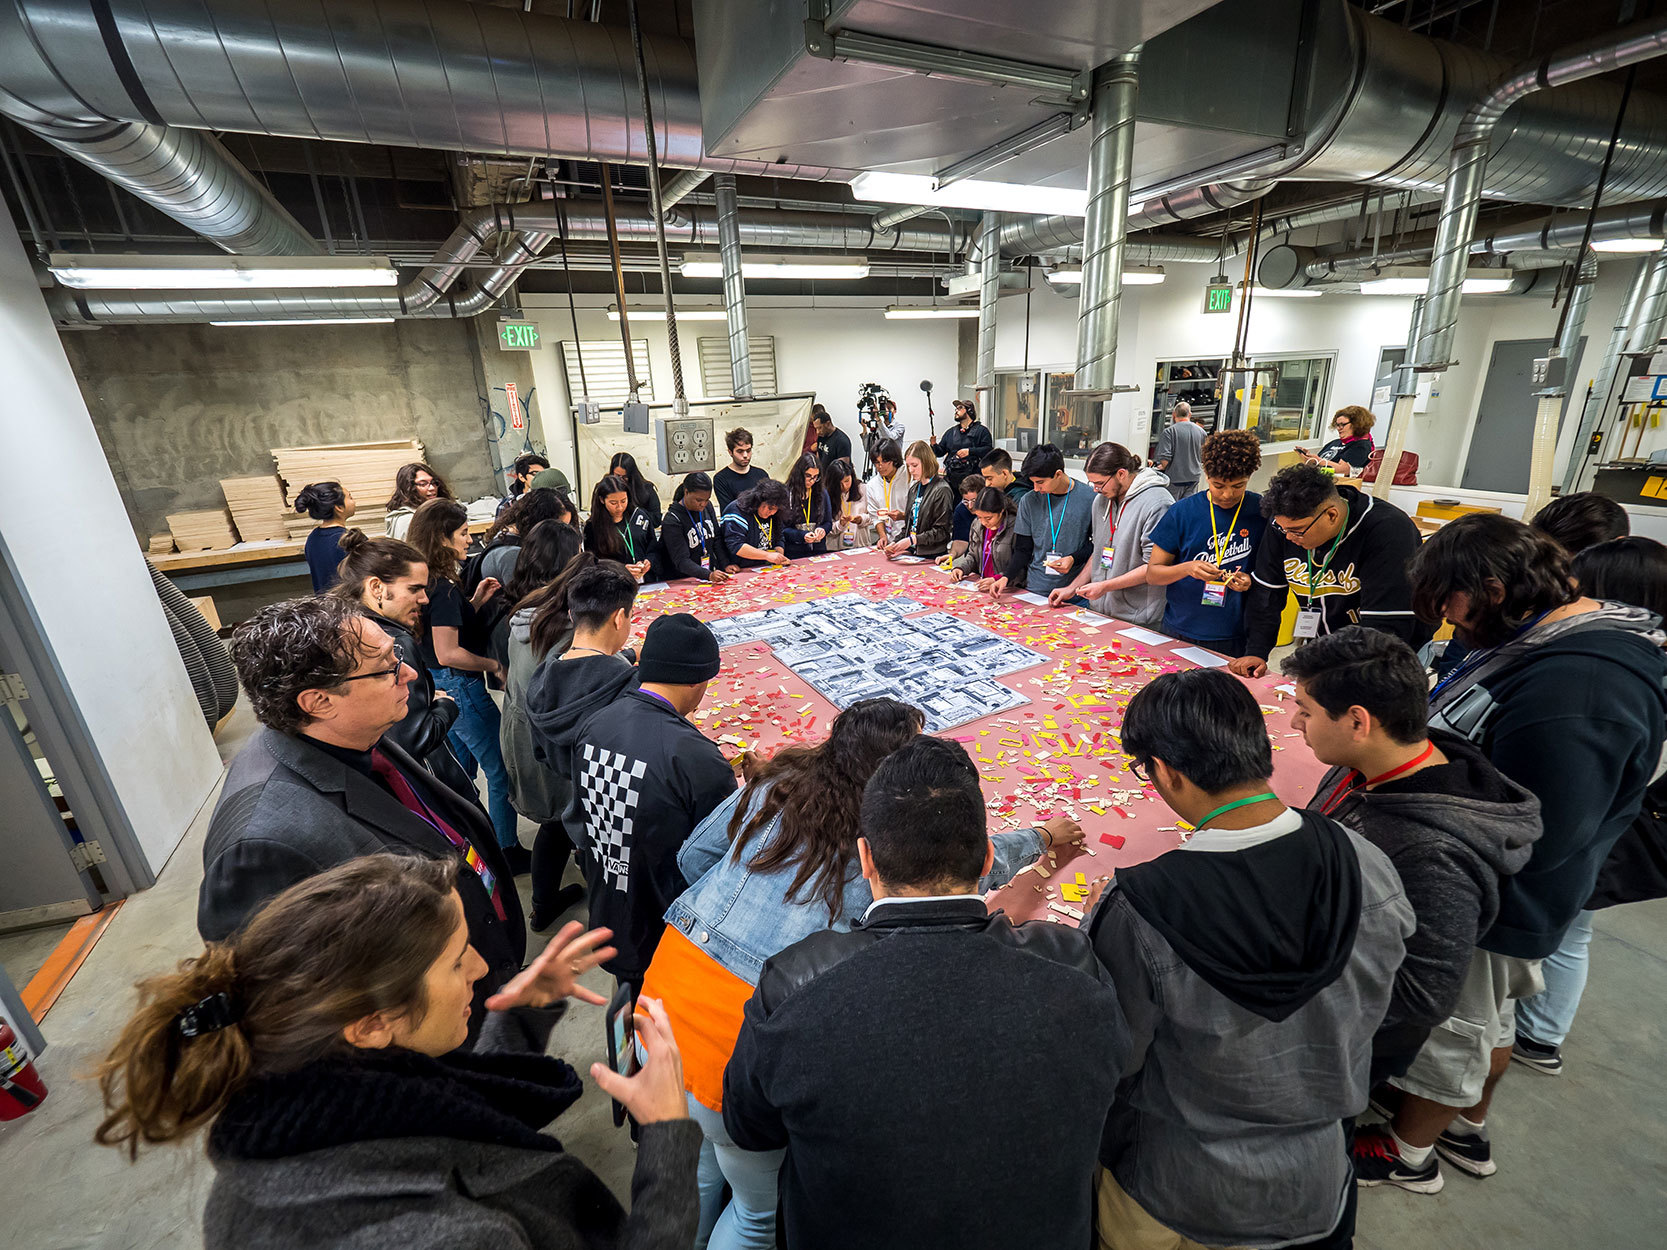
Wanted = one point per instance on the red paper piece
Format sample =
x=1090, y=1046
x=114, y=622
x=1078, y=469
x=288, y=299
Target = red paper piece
x=1113, y=841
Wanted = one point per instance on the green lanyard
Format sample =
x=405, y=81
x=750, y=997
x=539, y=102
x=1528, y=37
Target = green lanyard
x=1336, y=543
x=625, y=533
x=1227, y=807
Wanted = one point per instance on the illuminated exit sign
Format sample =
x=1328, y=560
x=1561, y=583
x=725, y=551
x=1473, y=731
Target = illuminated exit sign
x=1218, y=297
x=517, y=336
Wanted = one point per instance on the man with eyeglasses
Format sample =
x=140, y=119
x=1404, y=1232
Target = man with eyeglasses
x=1341, y=552
x=319, y=784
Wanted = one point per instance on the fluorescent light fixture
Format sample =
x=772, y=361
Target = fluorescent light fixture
x=998, y=197
x=1284, y=292
x=706, y=265
x=218, y=273
x=926, y=312
x=1414, y=280
x=1627, y=247
x=659, y=314
x=312, y=321
x=1133, y=275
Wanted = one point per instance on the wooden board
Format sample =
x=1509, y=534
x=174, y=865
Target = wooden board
x=365, y=470
x=205, y=605
x=257, y=506
x=256, y=553
x=209, y=529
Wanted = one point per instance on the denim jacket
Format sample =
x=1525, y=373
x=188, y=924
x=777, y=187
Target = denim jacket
x=741, y=918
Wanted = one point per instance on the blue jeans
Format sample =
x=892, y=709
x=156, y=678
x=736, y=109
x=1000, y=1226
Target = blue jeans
x=748, y=1221
x=474, y=739
x=1549, y=1015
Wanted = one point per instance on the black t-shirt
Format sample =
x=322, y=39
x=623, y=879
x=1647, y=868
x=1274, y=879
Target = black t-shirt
x=324, y=556
x=835, y=446
x=1354, y=451
x=446, y=608
x=728, y=485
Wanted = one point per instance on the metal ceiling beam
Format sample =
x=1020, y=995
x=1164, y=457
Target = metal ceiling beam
x=1048, y=81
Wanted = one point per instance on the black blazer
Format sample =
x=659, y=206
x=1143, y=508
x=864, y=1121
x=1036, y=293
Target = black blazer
x=427, y=720
x=289, y=810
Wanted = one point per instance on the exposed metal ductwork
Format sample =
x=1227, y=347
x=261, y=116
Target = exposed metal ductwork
x=1105, y=229
x=735, y=295
x=533, y=226
x=443, y=74
x=186, y=174
x=1596, y=403
x=989, y=291
x=1468, y=165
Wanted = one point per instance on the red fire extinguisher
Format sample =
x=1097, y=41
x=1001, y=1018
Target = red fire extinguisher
x=21, y=1088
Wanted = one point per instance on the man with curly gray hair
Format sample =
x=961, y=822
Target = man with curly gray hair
x=320, y=785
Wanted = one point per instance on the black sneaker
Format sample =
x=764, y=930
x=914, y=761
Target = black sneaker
x=1378, y=1162
x=1470, y=1151
x=1537, y=1055
x=520, y=859
x=568, y=896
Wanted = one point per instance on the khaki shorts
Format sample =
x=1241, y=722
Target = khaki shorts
x=1452, y=1068
x=1121, y=1223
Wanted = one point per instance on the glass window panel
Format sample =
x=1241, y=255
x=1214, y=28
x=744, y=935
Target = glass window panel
x=1016, y=414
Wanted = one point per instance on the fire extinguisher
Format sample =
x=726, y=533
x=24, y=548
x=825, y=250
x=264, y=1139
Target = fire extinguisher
x=21, y=1088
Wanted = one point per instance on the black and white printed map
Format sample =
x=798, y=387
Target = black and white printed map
x=852, y=648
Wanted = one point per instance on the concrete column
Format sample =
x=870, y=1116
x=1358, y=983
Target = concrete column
x=1110, y=168
x=735, y=296
x=135, y=760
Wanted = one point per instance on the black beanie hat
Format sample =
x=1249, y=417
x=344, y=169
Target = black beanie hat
x=678, y=651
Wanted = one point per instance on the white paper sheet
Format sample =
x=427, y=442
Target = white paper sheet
x=1149, y=636
x=1031, y=597
x=1201, y=657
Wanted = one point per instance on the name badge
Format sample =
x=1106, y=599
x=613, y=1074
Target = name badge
x=1215, y=594
x=1308, y=623
x=1056, y=561
x=1106, y=554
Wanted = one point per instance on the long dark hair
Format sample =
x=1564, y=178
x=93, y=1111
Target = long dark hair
x=1109, y=458
x=817, y=792
x=768, y=491
x=1625, y=570
x=552, y=620
x=797, y=487
x=357, y=939
x=601, y=534
x=837, y=472
x=545, y=551
x=990, y=499
x=405, y=486
x=1479, y=553
x=641, y=492
x=320, y=500
x=542, y=503
x=385, y=559
x=435, y=522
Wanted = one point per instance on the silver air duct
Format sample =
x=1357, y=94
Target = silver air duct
x=1596, y=403
x=989, y=290
x=1105, y=229
x=1468, y=165
x=443, y=74
x=186, y=174
x=735, y=295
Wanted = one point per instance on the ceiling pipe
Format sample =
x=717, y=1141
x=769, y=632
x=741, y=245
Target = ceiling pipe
x=685, y=184
x=1105, y=229
x=735, y=296
x=1650, y=317
x=186, y=174
x=989, y=291
x=1468, y=164
x=438, y=74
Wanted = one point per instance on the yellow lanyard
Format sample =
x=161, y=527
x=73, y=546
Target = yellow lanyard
x=888, y=481
x=1215, y=538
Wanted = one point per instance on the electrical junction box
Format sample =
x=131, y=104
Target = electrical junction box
x=1550, y=372
x=635, y=417
x=685, y=445
x=590, y=412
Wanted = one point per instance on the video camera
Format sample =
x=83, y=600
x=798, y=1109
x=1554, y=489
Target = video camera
x=873, y=402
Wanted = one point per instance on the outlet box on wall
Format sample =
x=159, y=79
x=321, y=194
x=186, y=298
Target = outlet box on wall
x=685, y=445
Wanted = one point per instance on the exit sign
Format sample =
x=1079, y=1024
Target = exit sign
x=517, y=336
x=1218, y=297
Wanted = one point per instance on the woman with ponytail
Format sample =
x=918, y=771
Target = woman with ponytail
x=330, y=505
x=389, y=579
x=774, y=864
x=319, y=1047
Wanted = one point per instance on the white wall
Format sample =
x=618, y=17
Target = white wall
x=829, y=350
x=71, y=549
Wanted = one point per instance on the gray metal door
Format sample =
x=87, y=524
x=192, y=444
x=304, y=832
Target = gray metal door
x=40, y=883
x=1503, y=440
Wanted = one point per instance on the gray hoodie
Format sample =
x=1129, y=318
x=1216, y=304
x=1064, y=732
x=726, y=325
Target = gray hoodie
x=537, y=791
x=1137, y=515
x=1452, y=832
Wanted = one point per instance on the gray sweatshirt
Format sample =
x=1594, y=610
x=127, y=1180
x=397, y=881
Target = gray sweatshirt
x=538, y=791
x=1136, y=514
x=1452, y=832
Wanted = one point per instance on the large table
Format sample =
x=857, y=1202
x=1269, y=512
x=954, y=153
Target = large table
x=1060, y=753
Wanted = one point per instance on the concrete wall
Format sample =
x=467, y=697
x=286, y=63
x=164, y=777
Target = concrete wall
x=178, y=407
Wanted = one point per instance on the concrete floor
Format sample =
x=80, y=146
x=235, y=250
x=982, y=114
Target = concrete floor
x=1583, y=1157
x=24, y=952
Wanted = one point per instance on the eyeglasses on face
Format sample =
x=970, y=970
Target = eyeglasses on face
x=1142, y=769
x=381, y=672
x=1295, y=534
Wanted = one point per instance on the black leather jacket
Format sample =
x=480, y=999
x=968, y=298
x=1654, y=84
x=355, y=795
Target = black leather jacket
x=427, y=720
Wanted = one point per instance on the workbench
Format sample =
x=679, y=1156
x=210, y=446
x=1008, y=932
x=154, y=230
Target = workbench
x=1060, y=753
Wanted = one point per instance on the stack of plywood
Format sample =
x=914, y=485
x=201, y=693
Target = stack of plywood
x=257, y=507
x=208, y=530
x=161, y=544
x=373, y=521
x=365, y=470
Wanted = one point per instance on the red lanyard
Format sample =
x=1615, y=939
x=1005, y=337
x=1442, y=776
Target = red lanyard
x=1344, y=788
x=986, y=569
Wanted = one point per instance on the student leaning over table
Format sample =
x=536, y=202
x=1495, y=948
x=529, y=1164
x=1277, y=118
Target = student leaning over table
x=772, y=864
x=1129, y=503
